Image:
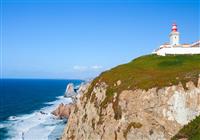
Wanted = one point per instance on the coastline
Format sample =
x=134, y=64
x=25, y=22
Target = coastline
x=38, y=124
x=41, y=122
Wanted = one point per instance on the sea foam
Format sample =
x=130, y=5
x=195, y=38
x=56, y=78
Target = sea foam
x=39, y=125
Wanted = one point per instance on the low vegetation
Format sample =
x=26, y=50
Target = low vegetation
x=153, y=71
x=144, y=73
x=190, y=131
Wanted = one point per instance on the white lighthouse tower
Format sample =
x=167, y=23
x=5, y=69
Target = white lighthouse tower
x=174, y=36
x=175, y=48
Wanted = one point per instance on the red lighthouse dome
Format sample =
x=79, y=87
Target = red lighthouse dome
x=174, y=27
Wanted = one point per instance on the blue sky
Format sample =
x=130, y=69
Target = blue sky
x=79, y=39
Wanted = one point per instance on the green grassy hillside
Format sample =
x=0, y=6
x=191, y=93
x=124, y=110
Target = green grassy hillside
x=153, y=71
x=190, y=131
x=147, y=72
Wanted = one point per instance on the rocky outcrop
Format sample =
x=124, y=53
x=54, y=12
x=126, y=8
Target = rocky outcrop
x=70, y=91
x=153, y=114
x=63, y=111
x=83, y=88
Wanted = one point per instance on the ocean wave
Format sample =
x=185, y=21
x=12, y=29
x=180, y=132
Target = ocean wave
x=59, y=100
x=2, y=126
x=40, y=124
x=12, y=118
x=60, y=97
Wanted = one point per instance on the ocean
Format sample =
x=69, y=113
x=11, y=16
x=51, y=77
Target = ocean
x=26, y=106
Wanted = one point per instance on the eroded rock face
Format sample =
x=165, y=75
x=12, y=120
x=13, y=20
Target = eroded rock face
x=156, y=114
x=63, y=111
x=83, y=88
x=70, y=91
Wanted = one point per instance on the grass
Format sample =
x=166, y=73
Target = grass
x=144, y=73
x=190, y=131
x=153, y=71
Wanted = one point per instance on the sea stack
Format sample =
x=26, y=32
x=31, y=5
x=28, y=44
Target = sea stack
x=70, y=93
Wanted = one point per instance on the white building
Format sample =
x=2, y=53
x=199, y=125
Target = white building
x=174, y=47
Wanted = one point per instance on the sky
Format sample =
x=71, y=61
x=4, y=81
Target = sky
x=61, y=39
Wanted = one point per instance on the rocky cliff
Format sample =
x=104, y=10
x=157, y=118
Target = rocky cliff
x=127, y=104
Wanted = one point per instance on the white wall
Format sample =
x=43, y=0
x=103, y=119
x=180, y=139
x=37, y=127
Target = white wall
x=178, y=50
x=174, y=38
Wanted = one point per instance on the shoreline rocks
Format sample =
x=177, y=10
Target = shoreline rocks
x=70, y=92
x=63, y=111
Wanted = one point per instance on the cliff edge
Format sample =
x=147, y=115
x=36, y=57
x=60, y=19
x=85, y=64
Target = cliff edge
x=149, y=98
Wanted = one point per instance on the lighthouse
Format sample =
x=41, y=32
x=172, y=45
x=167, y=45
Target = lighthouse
x=174, y=36
x=175, y=48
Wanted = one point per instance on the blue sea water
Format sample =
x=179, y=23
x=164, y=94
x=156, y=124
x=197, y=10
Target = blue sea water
x=21, y=103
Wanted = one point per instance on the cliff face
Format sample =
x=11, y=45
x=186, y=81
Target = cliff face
x=133, y=114
x=149, y=98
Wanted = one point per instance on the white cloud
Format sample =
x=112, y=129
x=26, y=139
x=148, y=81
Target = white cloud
x=87, y=68
x=96, y=67
x=80, y=68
